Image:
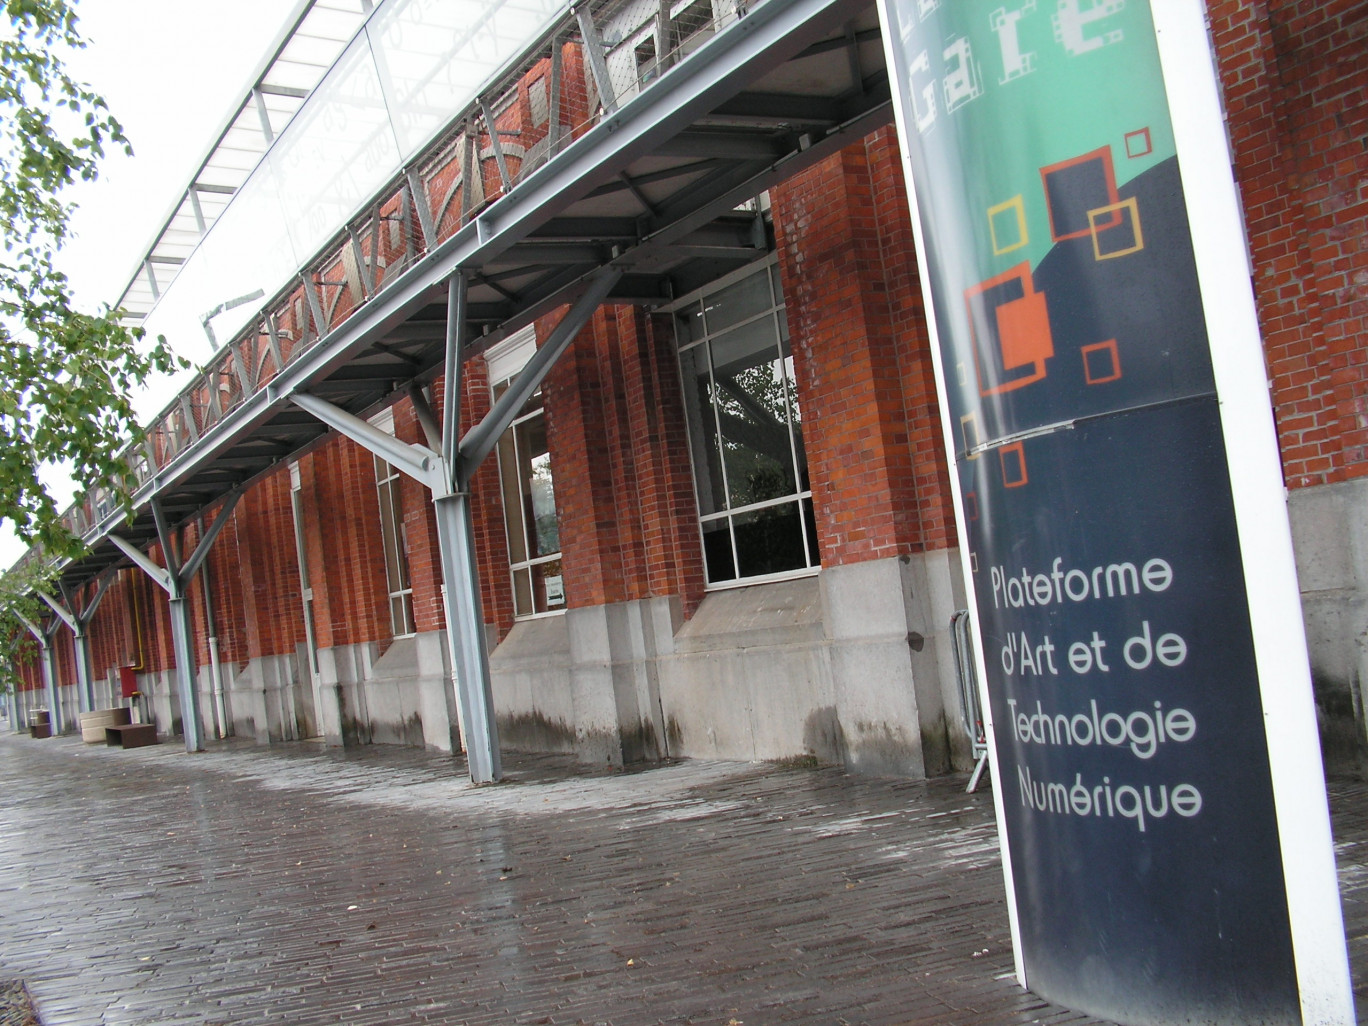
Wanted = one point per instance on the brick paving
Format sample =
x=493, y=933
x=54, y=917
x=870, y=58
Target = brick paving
x=301, y=885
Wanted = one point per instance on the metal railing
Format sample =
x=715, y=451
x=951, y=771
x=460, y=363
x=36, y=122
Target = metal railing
x=962, y=644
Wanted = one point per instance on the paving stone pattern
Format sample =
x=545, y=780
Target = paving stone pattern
x=302, y=885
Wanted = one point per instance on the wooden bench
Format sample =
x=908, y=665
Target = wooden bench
x=93, y=723
x=131, y=735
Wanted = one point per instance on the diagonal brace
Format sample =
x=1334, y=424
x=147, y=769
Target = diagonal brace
x=480, y=440
x=416, y=461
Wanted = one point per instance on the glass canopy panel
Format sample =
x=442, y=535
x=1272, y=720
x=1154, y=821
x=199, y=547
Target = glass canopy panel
x=433, y=58
x=177, y=315
x=336, y=153
x=250, y=254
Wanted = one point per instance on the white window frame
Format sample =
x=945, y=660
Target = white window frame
x=387, y=484
x=803, y=497
x=504, y=361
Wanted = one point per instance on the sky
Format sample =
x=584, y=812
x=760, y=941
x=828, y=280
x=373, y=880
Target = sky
x=169, y=70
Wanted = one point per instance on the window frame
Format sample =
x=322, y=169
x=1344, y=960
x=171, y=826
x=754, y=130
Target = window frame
x=505, y=362
x=389, y=501
x=802, y=497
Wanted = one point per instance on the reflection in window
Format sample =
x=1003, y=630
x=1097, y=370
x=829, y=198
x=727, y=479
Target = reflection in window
x=529, y=500
x=745, y=430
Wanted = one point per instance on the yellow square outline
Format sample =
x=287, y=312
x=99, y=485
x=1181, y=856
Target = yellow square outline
x=1115, y=208
x=1017, y=202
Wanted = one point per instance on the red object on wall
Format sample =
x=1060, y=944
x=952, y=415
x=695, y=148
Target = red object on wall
x=128, y=681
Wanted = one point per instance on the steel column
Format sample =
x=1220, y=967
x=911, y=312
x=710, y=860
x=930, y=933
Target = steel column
x=192, y=728
x=466, y=637
x=85, y=683
x=50, y=684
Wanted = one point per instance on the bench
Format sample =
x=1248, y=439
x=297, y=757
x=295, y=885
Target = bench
x=131, y=735
x=93, y=723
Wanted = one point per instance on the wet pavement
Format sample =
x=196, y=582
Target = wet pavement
x=298, y=884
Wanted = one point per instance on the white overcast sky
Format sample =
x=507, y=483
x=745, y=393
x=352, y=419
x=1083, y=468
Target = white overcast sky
x=170, y=70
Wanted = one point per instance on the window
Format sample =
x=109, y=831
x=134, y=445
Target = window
x=529, y=492
x=745, y=429
x=394, y=538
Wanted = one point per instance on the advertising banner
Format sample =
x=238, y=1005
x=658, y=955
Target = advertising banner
x=1133, y=770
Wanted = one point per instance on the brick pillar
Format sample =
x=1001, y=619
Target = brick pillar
x=878, y=471
x=628, y=526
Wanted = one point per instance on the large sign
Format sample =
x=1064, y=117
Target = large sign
x=1133, y=772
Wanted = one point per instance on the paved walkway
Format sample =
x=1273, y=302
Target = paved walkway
x=301, y=885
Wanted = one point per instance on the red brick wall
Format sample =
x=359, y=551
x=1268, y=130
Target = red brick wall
x=351, y=598
x=624, y=494
x=265, y=604
x=860, y=352
x=1295, y=76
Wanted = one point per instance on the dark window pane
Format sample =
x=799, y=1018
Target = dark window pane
x=522, y=593
x=810, y=525
x=548, y=586
x=746, y=298
x=717, y=552
x=538, y=488
x=769, y=540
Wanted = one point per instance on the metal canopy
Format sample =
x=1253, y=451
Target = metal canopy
x=661, y=188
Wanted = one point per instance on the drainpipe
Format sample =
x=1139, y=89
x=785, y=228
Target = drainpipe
x=215, y=667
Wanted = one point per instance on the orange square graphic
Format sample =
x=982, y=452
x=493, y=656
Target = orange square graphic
x=1138, y=143
x=1101, y=362
x=971, y=506
x=1024, y=331
x=1013, y=459
x=1009, y=325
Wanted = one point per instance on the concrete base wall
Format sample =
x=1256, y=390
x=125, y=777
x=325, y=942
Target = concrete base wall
x=531, y=677
x=1330, y=535
x=852, y=667
x=401, y=697
x=269, y=699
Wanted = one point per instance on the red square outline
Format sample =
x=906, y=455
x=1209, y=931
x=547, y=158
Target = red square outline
x=1139, y=133
x=1019, y=449
x=1097, y=347
x=1104, y=155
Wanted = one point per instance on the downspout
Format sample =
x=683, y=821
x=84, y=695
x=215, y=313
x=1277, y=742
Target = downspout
x=210, y=627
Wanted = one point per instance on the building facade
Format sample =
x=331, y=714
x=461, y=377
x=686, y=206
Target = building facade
x=723, y=527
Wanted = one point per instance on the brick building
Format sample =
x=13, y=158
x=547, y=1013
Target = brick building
x=723, y=526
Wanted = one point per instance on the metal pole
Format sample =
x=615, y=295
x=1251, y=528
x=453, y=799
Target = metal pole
x=84, y=685
x=466, y=638
x=191, y=726
x=50, y=683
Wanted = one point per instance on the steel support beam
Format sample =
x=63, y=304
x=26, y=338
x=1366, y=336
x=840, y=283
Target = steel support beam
x=598, y=67
x=85, y=694
x=480, y=440
x=466, y=637
x=473, y=695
